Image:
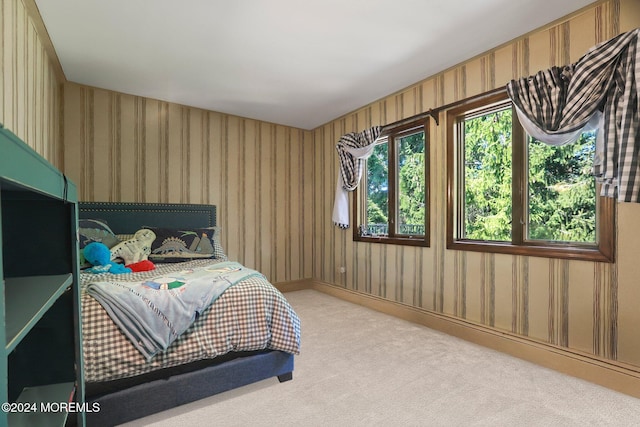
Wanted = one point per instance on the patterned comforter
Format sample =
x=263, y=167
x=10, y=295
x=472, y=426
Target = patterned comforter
x=250, y=315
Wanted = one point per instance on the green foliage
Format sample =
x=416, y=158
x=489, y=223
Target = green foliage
x=487, y=177
x=561, y=189
x=562, y=194
x=378, y=186
x=411, y=186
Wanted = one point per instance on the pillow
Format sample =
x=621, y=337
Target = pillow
x=177, y=245
x=94, y=230
x=123, y=237
x=218, y=251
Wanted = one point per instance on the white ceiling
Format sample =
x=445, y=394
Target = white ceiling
x=300, y=63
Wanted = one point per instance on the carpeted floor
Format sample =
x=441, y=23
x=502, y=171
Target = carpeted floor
x=359, y=367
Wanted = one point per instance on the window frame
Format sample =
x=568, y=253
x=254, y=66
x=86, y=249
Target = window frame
x=602, y=251
x=392, y=132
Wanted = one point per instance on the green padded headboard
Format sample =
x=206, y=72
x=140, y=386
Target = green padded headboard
x=127, y=218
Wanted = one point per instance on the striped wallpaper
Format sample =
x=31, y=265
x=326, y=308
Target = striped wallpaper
x=274, y=186
x=587, y=307
x=125, y=148
x=29, y=82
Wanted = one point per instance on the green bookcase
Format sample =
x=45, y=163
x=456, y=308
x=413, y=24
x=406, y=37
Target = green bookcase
x=41, y=362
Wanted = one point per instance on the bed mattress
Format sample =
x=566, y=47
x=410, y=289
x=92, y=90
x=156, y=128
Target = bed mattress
x=251, y=315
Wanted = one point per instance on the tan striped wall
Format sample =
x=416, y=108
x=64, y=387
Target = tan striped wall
x=274, y=186
x=29, y=81
x=583, y=306
x=125, y=148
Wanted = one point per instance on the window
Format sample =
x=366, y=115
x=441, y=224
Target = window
x=510, y=193
x=391, y=203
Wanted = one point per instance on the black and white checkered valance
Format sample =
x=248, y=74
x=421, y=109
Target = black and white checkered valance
x=599, y=91
x=353, y=149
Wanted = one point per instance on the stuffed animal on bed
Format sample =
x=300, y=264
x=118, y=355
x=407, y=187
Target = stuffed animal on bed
x=135, y=251
x=99, y=255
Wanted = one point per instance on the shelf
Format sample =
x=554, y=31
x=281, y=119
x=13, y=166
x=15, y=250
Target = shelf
x=21, y=166
x=43, y=415
x=40, y=336
x=27, y=299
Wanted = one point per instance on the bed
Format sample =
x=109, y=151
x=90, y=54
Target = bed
x=248, y=334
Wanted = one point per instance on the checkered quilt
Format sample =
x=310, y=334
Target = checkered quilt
x=250, y=315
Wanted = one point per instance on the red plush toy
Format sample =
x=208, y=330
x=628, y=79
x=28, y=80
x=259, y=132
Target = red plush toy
x=144, y=265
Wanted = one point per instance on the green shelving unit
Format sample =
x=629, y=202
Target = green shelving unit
x=43, y=406
x=27, y=299
x=41, y=362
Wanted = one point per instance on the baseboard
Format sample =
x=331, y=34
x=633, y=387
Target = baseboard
x=295, y=285
x=614, y=375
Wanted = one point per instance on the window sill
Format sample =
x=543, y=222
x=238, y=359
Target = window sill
x=406, y=241
x=569, y=252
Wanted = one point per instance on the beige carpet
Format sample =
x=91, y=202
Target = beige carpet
x=359, y=367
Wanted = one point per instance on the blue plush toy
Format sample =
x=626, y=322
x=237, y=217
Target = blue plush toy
x=99, y=255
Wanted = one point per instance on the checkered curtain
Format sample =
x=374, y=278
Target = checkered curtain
x=599, y=91
x=353, y=149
